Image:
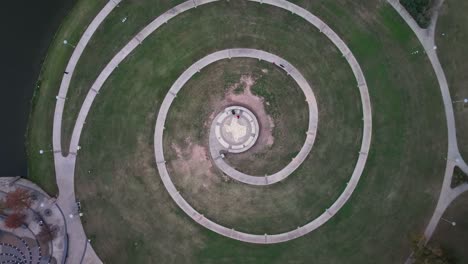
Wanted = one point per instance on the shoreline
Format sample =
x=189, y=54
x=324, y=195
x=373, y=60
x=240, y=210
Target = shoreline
x=31, y=31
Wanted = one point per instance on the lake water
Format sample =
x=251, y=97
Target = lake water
x=27, y=28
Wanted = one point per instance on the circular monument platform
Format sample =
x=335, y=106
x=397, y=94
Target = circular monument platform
x=236, y=129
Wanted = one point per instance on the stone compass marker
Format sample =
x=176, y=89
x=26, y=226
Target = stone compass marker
x=236, y=129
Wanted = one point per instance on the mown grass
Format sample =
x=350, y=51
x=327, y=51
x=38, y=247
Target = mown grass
x=107, y=41
x=39, y=135
x=452, y=239
x=126, y=201
x=451, y=39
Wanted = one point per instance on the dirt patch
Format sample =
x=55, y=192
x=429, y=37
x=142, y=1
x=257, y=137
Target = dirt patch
x=177, y=150
x=194, y=166
x=193, y=162
x=258, y=86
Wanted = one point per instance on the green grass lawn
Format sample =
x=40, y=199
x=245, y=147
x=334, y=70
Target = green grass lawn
x=39, y=134
x=317, y=183
x=453, y=239
x=451, y=38
x=106, y=42
x=128, y=212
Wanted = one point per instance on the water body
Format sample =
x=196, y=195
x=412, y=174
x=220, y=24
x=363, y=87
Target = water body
x=27, y=28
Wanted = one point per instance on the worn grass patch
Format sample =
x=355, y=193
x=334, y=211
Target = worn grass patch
x=239, y=205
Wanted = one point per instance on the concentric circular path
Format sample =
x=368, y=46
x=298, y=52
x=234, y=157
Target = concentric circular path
x=311, y=103
x=231, y=233
x=311, y=130
x=65, y=166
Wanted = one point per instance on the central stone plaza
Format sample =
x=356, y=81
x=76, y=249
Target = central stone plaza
x=236, y=129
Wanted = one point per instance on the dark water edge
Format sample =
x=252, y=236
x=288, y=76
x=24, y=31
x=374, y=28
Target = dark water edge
x=27, y=29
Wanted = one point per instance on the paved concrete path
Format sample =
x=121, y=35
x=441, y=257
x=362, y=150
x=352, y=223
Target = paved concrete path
x=215, y=147
x=65, y=166
x=78, y=245
x=454, y=159
x=229, y=232
x=214, y=144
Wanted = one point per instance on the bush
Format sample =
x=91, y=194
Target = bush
x=18, y=200
x=420, y=10
x=14, y=220
x=47, y=233
x=428, y=254
x=459, y=177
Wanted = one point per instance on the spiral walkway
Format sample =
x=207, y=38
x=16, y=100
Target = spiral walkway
x=310, y=99
x=65, y=166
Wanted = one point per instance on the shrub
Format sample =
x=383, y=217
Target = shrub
x=47, y=233
x=18, y=200
x=420, y=10
x=428, y=254
x=459, y=177
x=14, y=220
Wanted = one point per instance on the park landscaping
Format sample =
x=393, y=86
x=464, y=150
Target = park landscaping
x=213, y=193
x=451, y=239
x=420, y=10
x=129, y=214
x=451, y=39
x=39, y=134
x=237, y=81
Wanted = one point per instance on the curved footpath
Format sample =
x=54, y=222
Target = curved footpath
x=454, y=159
x=214, y=145
x=79, y=248
x=230, y=232
x=313, y=115
x=65, y=166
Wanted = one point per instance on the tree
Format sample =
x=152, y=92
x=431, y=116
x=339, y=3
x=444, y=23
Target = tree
x=18, y=200
x=420, y=10
x=47, y=233
x=428, y=254
x=14, y=220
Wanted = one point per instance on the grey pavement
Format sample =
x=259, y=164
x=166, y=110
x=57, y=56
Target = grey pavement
x=65, y=165
x=42, y=203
